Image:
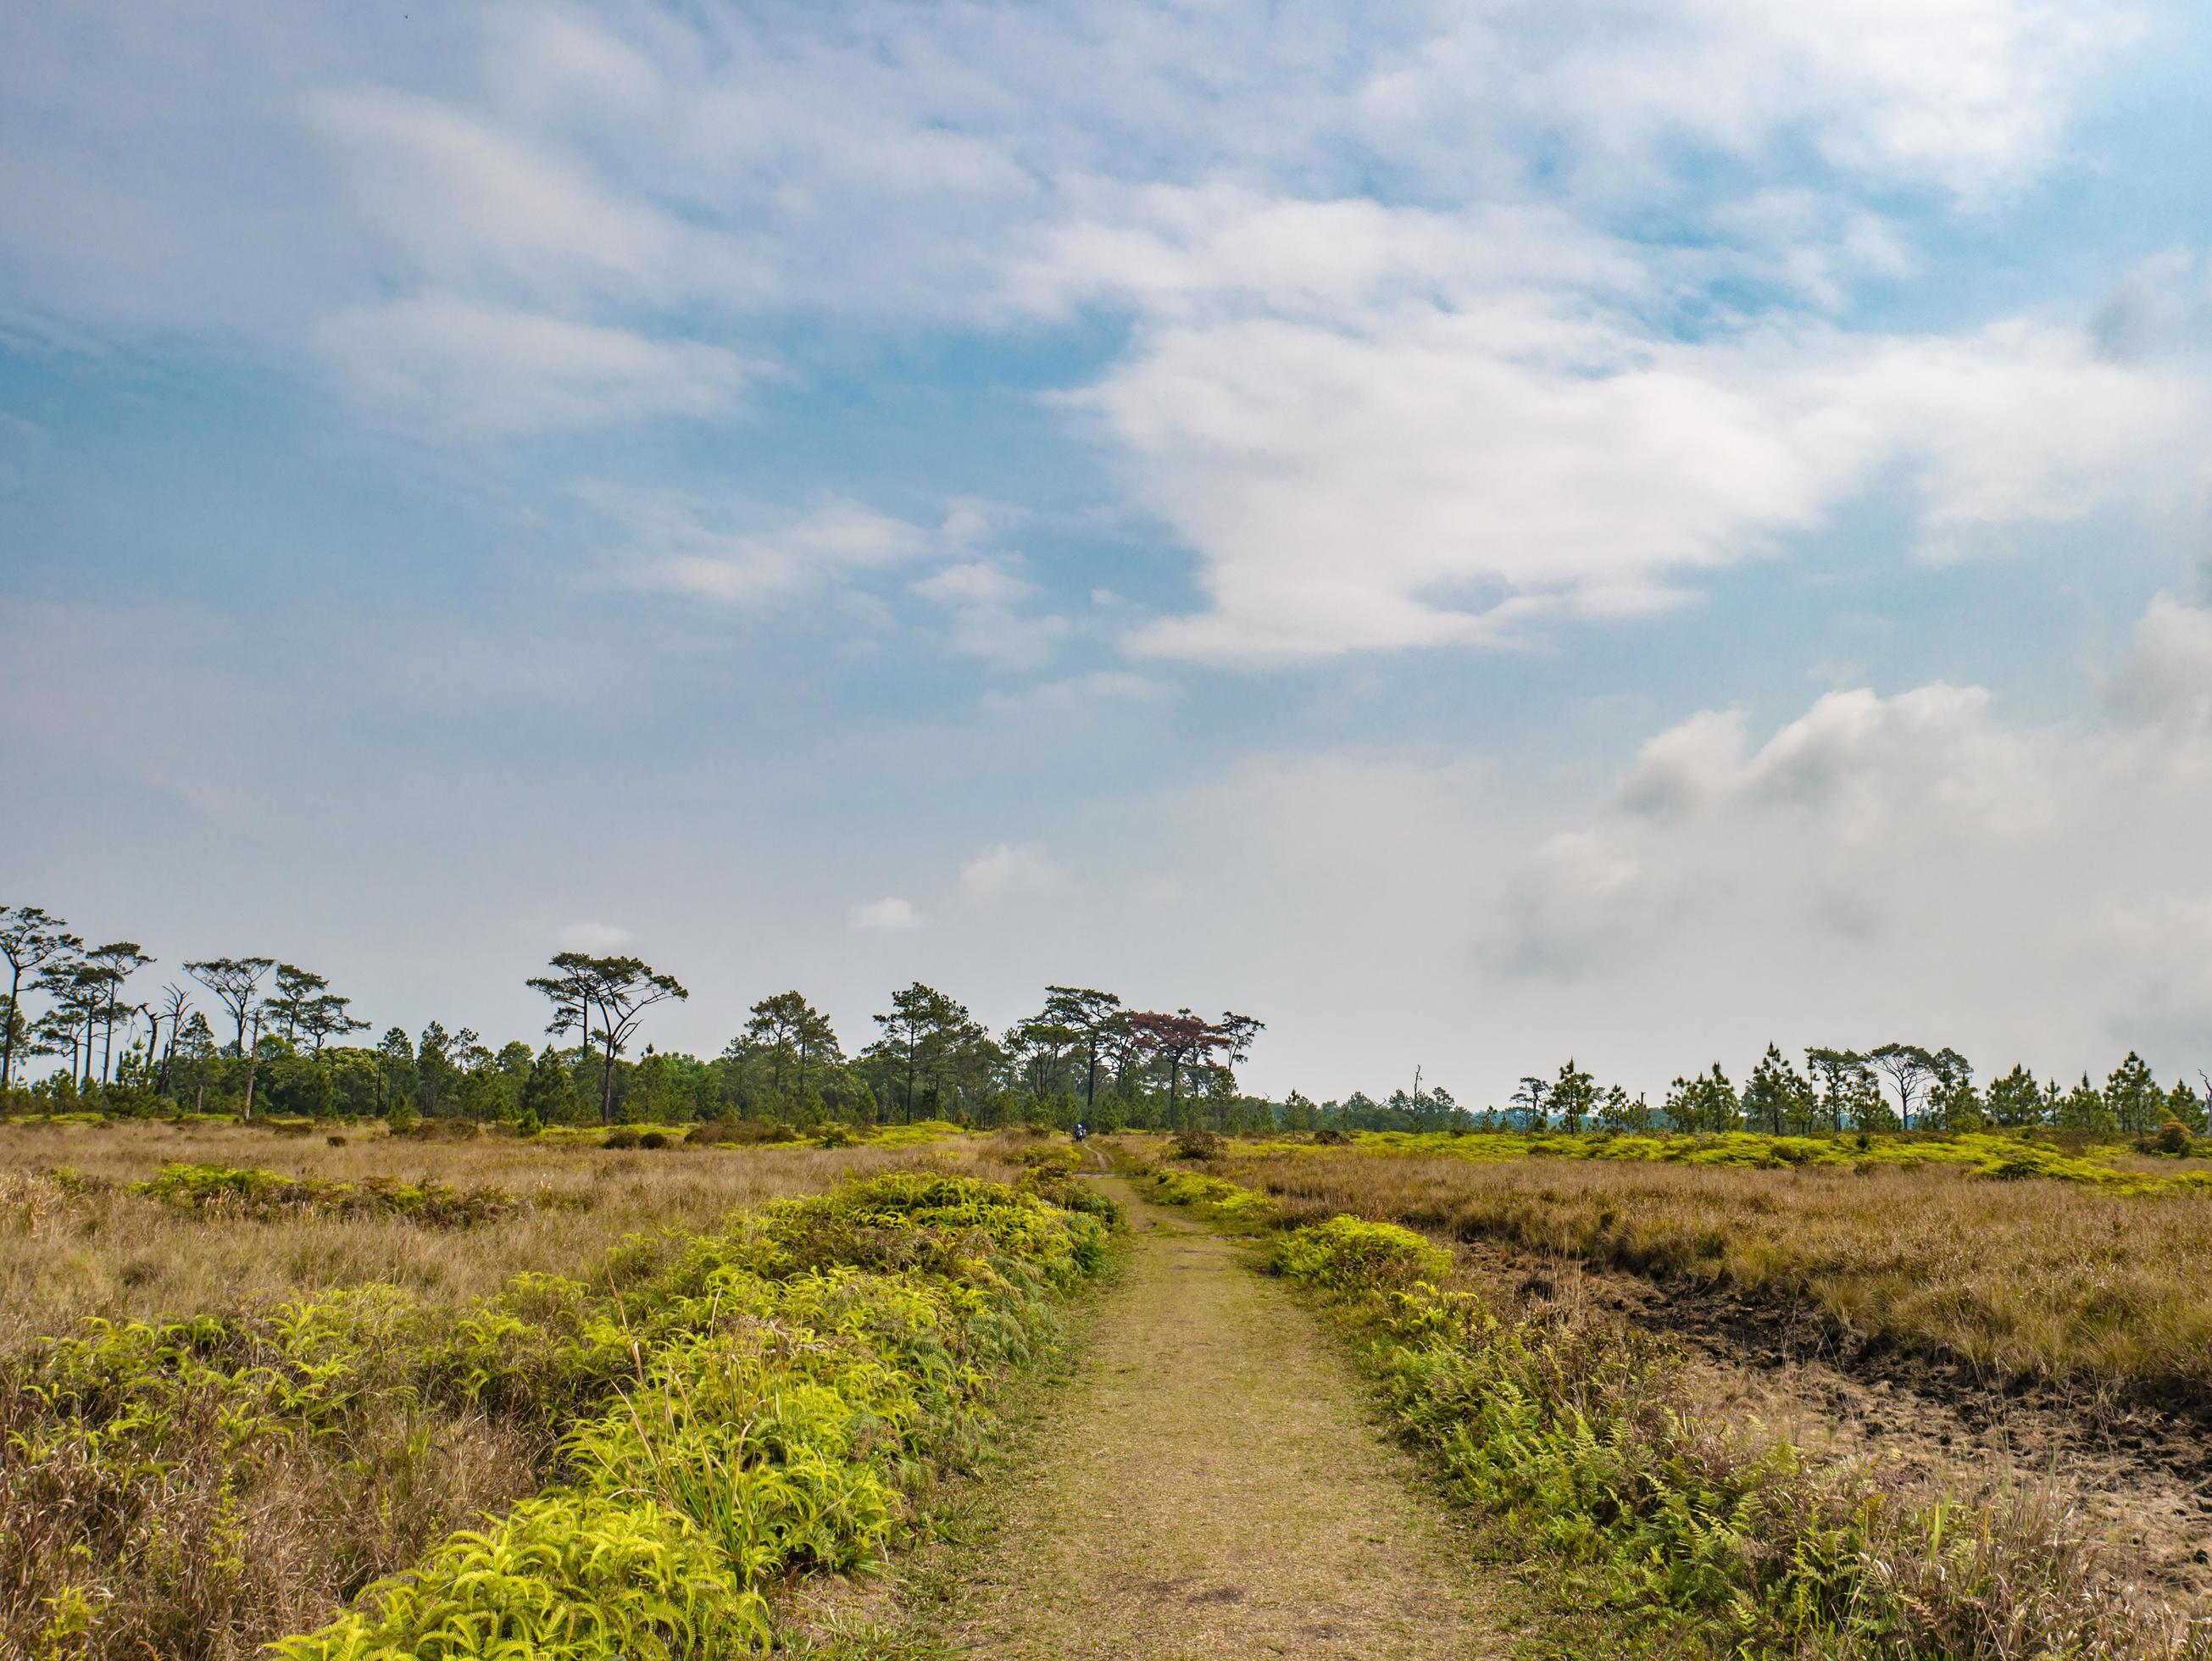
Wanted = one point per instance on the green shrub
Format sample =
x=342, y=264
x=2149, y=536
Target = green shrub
x=1347, y=1254
x=1195, y=1144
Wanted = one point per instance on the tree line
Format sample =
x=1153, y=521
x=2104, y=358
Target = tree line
x=254, y=1034
x=1892, y=1087
x=249, y=1034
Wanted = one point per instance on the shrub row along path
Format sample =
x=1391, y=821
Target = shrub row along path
x=1208, y=1484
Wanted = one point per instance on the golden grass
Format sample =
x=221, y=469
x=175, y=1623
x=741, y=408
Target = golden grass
x=68, y=1250
x=2036, y=1277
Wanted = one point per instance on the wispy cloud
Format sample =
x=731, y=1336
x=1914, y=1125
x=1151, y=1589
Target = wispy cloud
x=668, y=546
x=450, y=368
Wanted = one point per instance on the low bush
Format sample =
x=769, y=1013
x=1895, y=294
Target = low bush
x=742, y=1133
x=1196, y=1144
x=1349, y=1254
x=1223, y=1200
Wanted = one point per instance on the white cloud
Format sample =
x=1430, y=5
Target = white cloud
x=2166, y=679
x=1098, y=687
x=459, y=201
x=669, y=546
x=978, y=582
x=1437, y=476
x=1922, y=865
x=1009, y=870
x=596, y=937
x=1969, y=94
x=1184, y=252
x=888, y=916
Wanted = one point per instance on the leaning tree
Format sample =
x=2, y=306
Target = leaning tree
x=29, y=938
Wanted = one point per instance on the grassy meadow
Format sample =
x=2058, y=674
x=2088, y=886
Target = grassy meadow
x=2092, y=1267
x=597, y=1400
x=362, y=1396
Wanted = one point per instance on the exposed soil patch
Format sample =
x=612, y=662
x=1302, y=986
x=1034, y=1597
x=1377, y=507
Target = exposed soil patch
x=2139, y=1474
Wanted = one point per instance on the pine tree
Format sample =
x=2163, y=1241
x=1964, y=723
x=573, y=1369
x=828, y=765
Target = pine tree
x=1776, y=1099
x=2017, y=1098
x=548, y=1094
x=2133, y=1098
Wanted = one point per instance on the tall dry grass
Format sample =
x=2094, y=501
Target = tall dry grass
x=2034, y=1278
x=70, y=1249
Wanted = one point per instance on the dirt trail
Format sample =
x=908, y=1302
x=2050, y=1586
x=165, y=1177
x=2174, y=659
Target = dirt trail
x=1209, y=1486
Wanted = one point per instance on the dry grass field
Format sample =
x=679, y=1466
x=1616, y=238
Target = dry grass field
x=2032, y=1278
x=74, y=1242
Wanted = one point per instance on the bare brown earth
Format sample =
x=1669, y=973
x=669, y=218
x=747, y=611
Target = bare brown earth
x=1208, y=1486
x=2129, y=1472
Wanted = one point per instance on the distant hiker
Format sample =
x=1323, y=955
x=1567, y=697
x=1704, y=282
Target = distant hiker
x=1081, y=1130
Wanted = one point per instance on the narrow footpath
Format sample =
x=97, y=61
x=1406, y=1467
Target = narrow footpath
x=1208, y=1486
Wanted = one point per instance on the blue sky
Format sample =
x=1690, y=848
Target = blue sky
x=1630, y=528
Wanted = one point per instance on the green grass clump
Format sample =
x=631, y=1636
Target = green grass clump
x=1348, y=1254
x=246, y=1192
x=1215, y=1197
x=711, y=1411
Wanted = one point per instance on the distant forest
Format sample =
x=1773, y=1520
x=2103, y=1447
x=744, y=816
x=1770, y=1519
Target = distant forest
x=254, y=1035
